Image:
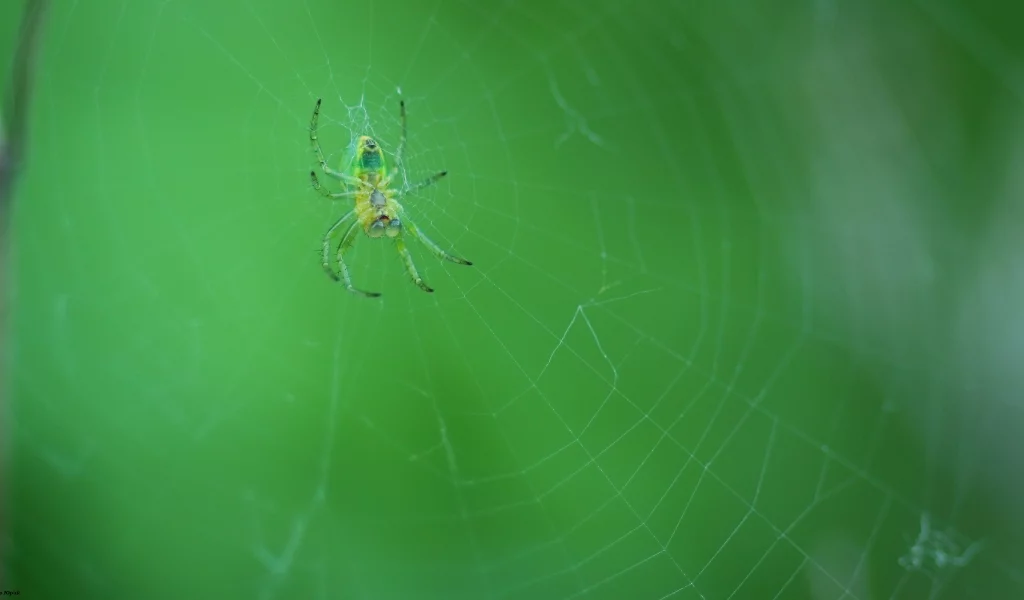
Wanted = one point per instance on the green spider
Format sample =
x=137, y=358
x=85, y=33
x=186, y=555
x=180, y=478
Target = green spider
x=377, y=210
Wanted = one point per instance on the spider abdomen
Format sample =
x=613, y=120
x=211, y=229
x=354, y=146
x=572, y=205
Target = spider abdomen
x=375, y=211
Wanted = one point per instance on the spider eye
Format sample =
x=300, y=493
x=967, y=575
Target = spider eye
x=394, y=228
x=376, y=230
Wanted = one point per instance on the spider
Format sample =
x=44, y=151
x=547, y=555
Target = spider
x=377, y=210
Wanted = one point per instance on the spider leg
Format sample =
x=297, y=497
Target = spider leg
x=323, y=191
x=346, y=242
x=425, y=183
x=316, y=145
x=429, y=243
x=327, y=243
x=410, y=267
x=401, y=142
x=400, y=154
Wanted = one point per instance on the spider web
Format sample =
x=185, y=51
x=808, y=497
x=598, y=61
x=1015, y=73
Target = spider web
x=732, y=329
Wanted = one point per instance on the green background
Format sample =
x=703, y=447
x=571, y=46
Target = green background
x=709, y=348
